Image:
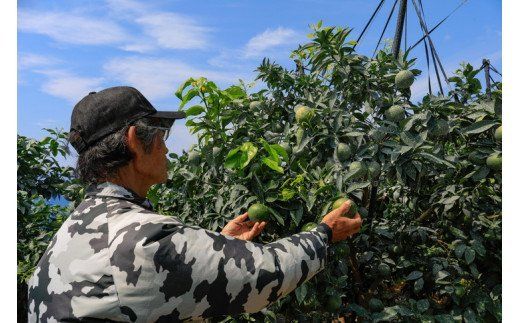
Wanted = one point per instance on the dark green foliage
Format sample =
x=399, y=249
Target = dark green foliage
x=40, y=178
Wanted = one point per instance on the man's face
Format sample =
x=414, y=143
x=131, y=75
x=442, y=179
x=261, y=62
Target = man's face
x=153, y=166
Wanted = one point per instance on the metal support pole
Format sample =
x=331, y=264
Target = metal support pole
x=485, y=63
x=399, y=28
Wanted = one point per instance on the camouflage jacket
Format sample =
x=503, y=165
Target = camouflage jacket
x=114, y=259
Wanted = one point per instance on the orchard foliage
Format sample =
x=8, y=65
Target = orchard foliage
x=430, y=246
x=40, y=178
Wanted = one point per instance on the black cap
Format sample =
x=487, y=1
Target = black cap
x=102, y=113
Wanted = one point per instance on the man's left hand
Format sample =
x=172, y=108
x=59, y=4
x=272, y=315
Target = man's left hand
x=239, y=229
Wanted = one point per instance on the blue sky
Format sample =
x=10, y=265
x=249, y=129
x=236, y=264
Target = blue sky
x=68, y=48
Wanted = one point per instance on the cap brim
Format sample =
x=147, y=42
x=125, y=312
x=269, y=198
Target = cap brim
x=166, y=118
x=169, y=115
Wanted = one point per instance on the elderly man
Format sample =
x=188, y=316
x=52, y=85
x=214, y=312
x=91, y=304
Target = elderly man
x=115, y=259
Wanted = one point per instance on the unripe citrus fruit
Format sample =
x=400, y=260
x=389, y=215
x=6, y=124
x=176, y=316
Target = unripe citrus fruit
x=258, y=212
x=358, y=169
x=498, y=134
x=374, y=169
x=344, y=152
x=303, y=113
x=404, y=79
x=440, y=128
x=494, y=161
x=395, y=113
x=309, y=226
x=353, y=207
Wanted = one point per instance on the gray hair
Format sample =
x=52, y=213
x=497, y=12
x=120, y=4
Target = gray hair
x=103, y=159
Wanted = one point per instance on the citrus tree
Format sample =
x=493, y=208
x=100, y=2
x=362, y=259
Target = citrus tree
x=40, y=178
x=426, y=177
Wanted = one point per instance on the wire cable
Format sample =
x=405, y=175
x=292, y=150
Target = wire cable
x=369, y=22
x=438, y=24
x=384, y=29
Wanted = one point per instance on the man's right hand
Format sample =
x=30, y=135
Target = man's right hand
x=342, y=226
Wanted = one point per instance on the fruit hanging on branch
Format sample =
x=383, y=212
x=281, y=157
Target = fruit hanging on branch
x=404, y=79
x=343, y=152
x=304, y=114
x=494, y=161
x=498, y=134
x=395, y=113
x=357, y=169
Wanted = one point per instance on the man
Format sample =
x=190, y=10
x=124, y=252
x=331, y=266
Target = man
x=115, y=259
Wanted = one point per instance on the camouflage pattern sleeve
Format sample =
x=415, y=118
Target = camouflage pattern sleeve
x=168, y=271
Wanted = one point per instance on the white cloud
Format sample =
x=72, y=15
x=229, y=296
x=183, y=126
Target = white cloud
x=71, y=28
x=269, y=39
x=159, y=78
x=29, y=60
x=65, y=85
x=174, y=31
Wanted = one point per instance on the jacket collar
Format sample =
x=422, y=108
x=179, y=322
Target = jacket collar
x=108, y=189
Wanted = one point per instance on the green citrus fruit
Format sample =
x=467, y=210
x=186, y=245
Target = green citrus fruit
x=309, y=226
x=358, y=169
x=304, y=114
x=353, y=207
x=395, y=113
x=494, y=161
x=374, y=169
x=344, y=152
x=498, y=134
x=254, y=104
x=333, y=303
x=258, y=212
x=193, y=157
x=375, y=305
x=384, y=270
x=440, y=128
x=404, y=79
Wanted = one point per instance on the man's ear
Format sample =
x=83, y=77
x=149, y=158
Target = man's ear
x=134, y=144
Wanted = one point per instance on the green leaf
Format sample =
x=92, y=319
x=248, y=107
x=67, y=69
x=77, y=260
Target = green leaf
x=357, y=186
x=272, y=164
x=469, y=255
x=479, y=126
x=422, y=305
x=280, y=151
x=414, y=275
x=190, y=95
x=301, y=293
x=183, y=86
x=436, y=159
x=418, y=285
x=194, y=110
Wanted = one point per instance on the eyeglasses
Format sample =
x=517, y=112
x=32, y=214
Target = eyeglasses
x=165, y=130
